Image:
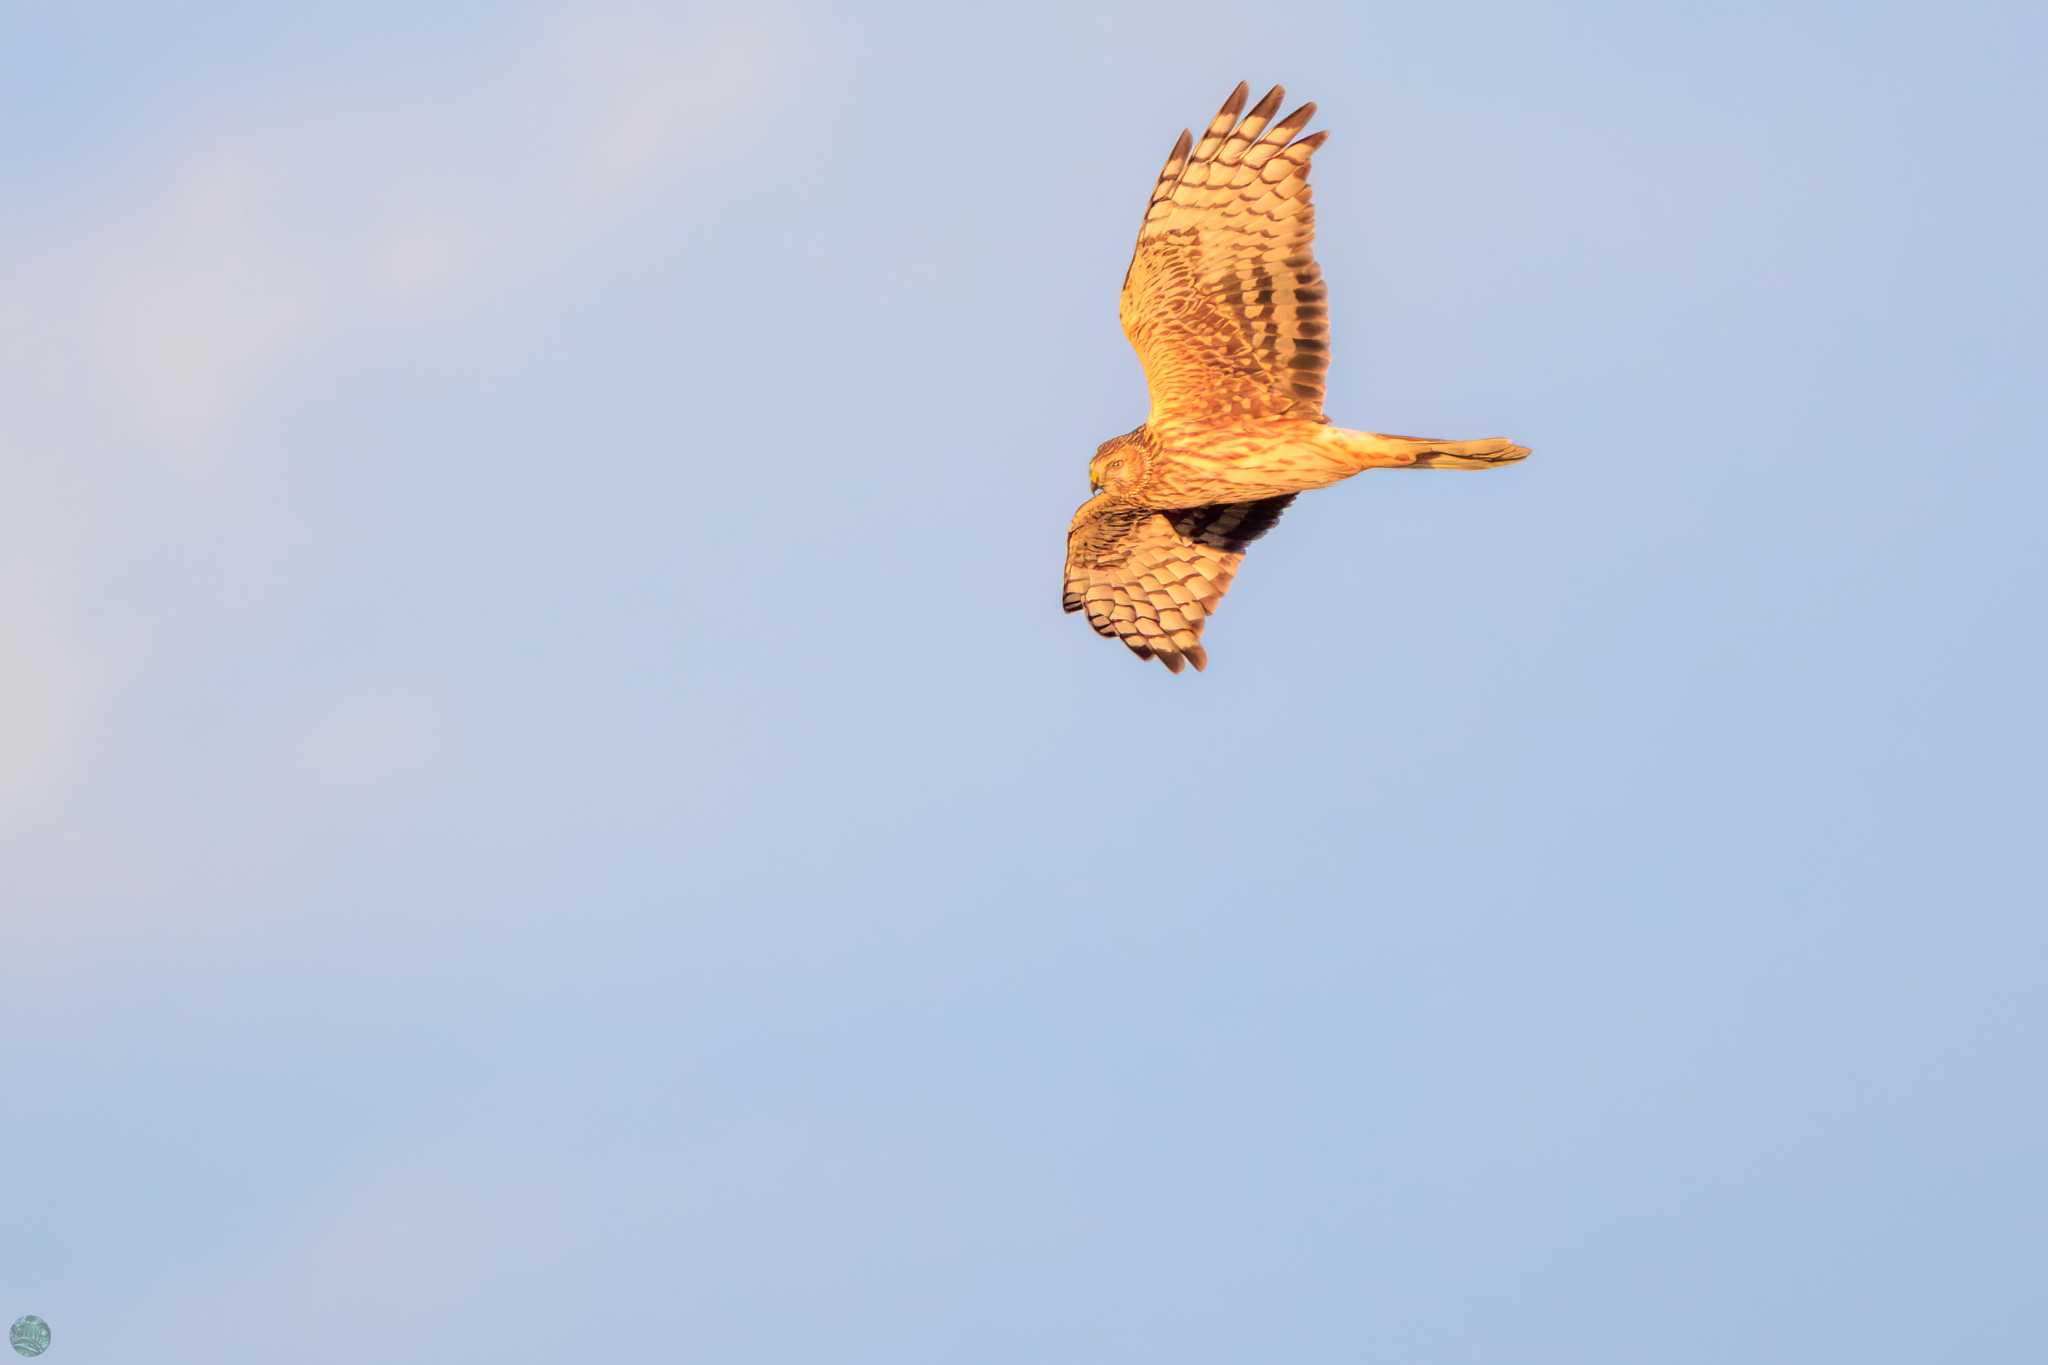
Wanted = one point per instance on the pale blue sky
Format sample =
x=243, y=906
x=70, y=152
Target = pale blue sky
x=548, y=809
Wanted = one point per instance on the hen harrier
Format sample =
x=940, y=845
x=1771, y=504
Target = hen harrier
x=1224, y=305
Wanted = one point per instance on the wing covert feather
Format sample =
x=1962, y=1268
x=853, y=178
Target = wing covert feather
x=1152, y=579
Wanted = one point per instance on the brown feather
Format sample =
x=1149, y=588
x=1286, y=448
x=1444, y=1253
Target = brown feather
x=1224, y=302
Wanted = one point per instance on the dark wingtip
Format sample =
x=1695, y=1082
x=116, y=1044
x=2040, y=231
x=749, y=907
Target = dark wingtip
x=1294, y=122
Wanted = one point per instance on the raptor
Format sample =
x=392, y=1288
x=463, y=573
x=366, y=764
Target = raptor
x=1225, y=306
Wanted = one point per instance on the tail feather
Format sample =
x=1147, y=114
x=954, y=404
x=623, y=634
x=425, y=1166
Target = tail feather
x=1377, y=450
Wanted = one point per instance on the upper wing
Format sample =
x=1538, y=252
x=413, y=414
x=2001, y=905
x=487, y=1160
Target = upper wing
x=1152, y=579
x=1224, y=301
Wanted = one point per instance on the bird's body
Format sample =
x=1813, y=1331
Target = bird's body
x=1224, y=305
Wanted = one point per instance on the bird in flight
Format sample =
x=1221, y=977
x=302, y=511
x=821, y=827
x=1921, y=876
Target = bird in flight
x=1224, y=304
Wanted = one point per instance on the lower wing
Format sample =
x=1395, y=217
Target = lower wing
x=1153, y=578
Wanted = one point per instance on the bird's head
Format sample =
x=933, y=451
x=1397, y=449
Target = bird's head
x=1119, y=464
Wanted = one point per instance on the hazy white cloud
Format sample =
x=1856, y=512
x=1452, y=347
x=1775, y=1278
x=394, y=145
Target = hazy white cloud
x=164, y=314
x=667, y=90
x=230, y=252
x=456, y=1230
x=201, y=304
x=42, y=682
x=424, y=256
x=397, y=1248
x=371, y=739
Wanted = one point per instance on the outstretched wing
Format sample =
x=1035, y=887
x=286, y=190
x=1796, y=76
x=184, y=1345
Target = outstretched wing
x=1152, y=579
x=1224, y=302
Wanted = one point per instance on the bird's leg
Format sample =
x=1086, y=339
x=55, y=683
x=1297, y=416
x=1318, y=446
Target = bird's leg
x=1375, y=450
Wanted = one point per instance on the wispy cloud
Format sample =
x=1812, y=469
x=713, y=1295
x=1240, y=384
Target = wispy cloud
x=229, y=250
x=199, y=301
x=43, y=680
x=669, y=94
x=163, y=308
x=370, y=739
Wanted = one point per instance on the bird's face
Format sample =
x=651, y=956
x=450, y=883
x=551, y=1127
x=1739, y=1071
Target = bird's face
x=1117, y=466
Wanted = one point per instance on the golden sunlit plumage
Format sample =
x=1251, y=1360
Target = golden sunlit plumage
x=1224, y=304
